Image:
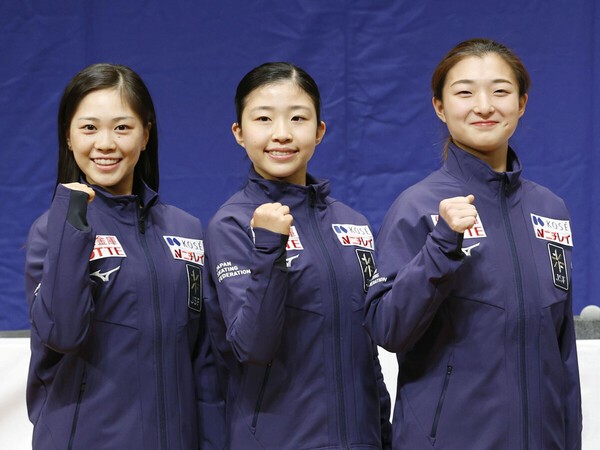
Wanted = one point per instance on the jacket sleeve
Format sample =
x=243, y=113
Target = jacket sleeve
x=568, y=350
x=250, y=275
x=415, y=271
x=210, y=399
x=57, y=275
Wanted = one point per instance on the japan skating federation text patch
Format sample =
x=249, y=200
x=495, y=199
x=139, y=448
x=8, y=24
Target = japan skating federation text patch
x=194, y=275
x=367, y=265
x=558, y=263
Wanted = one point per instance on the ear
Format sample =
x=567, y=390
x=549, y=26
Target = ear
x=320, y=132
x=236, y=129
x=438, y=107
x=147, y=135
x=522, y=104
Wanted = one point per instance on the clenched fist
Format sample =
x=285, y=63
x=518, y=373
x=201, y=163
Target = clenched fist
x=83, y=188
x=274, y=217
x=459, y=212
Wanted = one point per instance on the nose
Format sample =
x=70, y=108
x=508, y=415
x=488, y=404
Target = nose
x=281, y=131
x=105, y=141
x=484, y=105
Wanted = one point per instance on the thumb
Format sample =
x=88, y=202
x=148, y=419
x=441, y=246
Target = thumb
x=470, y=198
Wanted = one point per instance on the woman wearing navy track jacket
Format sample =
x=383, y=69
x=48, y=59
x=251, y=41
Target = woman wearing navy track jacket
x=476, y=298
x=285, y=295
x=119, y=350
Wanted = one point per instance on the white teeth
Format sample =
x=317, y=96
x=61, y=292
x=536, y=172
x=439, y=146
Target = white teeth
x=105, y=162
x=277, y=153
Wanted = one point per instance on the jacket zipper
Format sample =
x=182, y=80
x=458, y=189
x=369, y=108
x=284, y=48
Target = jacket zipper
x=336, y=322
x=521, y=318
x=261, y=395
x=158, y=344
x=76, y=415
x=440, y=404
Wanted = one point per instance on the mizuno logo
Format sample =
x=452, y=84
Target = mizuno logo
x=288, y=261
x=467, y=250
x=104, y=275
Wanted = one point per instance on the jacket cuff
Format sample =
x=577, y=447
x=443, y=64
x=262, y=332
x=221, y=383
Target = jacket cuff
x=274, y=243
x=450, y=241
x=77, y=212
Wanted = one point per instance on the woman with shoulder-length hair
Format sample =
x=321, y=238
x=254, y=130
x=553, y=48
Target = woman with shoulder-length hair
x=120, y=357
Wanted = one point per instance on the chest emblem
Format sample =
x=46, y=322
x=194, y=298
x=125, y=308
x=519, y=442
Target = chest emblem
x=558, y=263
x=367, y=265
x=475, y=232
x=107, y=247
x=186, y=249
x=354, y=235
x=552, y=230
x=194, y=287
x=288, y=260
x=467, y=250
x=104, y=276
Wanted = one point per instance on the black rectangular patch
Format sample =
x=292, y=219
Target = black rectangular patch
x=367, y=265
x=558, y=262
x=194, y=275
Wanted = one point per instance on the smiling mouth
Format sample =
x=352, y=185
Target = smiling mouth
x=281, y=153
x=486, y=123
x=105, y=161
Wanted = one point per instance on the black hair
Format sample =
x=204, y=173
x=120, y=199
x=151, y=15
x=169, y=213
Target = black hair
x=273, y=72
x=135, y=93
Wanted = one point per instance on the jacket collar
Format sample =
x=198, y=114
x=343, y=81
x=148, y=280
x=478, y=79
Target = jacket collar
x=290, y=194
x=142, y=194
x=471, y=169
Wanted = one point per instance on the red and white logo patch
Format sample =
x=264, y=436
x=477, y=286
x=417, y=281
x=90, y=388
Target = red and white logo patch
x=354, y=235
x=552, y=230
x=107, y=247
x=293, y=242
x=186, y=249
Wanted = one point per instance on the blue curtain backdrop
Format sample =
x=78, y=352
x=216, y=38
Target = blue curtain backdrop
x=372, y=60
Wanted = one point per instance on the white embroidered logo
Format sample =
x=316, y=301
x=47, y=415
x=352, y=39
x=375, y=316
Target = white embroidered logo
x=288, y=261
x=467, y=250
x=104, y=275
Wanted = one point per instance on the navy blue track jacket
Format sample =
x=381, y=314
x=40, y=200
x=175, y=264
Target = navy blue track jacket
x=482, y=322
x=120, y=357
x=302, y=371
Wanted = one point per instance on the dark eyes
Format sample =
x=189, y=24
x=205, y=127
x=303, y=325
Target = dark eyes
x=293, y=119
x=91, y=127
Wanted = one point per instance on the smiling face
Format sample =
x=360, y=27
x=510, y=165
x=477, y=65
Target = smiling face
x=481, y=106
x=106, y=137
x=279, y=131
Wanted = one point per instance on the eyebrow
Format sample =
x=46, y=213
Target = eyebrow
x=271, y=108
x=496, y=81
x=116, y=119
